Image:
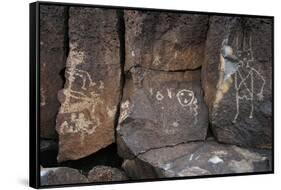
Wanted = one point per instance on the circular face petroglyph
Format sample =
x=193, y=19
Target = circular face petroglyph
x=185, y=97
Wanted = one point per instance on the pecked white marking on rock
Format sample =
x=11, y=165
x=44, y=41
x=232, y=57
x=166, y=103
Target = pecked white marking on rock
x=215, y=160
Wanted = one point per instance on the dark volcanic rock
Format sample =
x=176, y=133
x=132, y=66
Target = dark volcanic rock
x=165, y=41
x=237, y=80
x=89, y=100
x=160, y=109
x=196, y=158
x=48, y=145
x=52, y=62
x=61, y=176
x=106, y=173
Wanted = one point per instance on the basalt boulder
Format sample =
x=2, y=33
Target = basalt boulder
x=53, y=51
x=61, y=176
x=197, y=159
x=91, y=94
x=164, y=40
x=237, y=80
x=160, y=109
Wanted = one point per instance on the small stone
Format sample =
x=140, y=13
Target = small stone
x=61, y=176
x=106, y=173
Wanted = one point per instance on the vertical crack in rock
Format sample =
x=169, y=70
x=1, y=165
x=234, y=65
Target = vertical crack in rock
x=53, y=51
x=66, y=34
x=66, y=44
x=122, y=49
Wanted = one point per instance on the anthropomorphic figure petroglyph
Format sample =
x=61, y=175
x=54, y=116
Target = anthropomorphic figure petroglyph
x=86, y=98
x=186, y=98
x=245, y=75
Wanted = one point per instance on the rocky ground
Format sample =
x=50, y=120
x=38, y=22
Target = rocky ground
x=130, y=94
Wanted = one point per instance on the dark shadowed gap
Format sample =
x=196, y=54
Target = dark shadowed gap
x=121, y=35
x=66, y=43
x=106, y=156
x=210, y=133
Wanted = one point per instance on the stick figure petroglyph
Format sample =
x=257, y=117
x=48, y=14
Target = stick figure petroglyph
x=244, y=74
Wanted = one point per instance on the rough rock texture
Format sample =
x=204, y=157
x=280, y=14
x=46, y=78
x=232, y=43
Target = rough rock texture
x=52, y=62
x=237, y=80
x=61, y=176
x=106, y=173
x=89, y=100
x=165, y=41
x=160, y=109
x=196, y=158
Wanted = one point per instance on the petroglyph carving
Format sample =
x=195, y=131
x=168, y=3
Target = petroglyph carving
x=169, y=93
x=159, y=96
x=85, y=98
x=125, y=107
x=156, y=60
x=244, y=74
x=79, y=124
x=186, y=99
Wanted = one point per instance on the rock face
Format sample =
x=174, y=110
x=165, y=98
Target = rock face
x=237, y=80
x=61, y=176
x=106, y=173
x=164, y=79
x=196, y=158
x=160, y=109
x=52, y=62
x=89, y=100
x=165, y=41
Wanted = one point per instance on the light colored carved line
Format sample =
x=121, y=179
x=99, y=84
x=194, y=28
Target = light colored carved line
x=159, y=96
x=156, y=60
x=179, y=100
x=243, y=82
x=88, y=76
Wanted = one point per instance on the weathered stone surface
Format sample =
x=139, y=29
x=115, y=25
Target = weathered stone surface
x=160, y=109
x=52, y=62
x=237, y=80
x=106, y=173
x=61, y=176
x=197, y=158
x=89, y=100
x=165, y=41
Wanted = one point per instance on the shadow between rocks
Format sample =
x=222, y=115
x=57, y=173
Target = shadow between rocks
x=107, y=157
